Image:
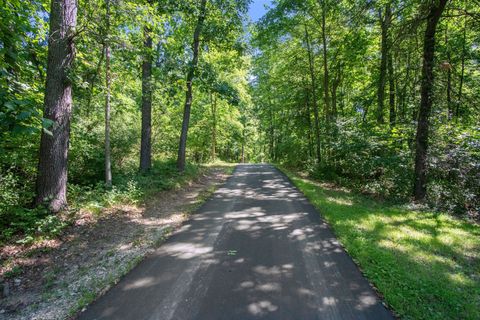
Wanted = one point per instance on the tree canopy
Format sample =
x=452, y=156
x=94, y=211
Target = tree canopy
x=381, y=96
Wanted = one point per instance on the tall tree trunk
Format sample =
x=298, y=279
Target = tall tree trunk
x=343, y=97
x=449, y=78
x=326, y=79
x=391, y=84
x=420, y=183
x=243, y=145
x=403, y=94
x=272, y=133
x=213, y=99
x=108, y=163
x=336, y=83
x=146, y=140
x=309, y=123
x=449, y=91
x=462, y=71
x=384, y=24
x=311, y=64
x=326, y=82
x=188, y=96
x=51, y=182
x=334, y=101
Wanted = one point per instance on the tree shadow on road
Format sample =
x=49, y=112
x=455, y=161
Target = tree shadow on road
x=426, y=264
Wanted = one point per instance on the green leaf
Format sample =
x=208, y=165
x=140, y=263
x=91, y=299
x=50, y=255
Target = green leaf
x=47, y=123
x=47, y=132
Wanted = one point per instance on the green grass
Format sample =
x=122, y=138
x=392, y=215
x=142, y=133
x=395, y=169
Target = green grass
x=132, y=187
x=129, y=187
x=425, y=264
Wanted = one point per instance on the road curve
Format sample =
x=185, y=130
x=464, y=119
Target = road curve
x=256, y=250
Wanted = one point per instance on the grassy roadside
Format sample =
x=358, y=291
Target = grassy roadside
x=425, y=264
x=131, y=187
x=135, y=188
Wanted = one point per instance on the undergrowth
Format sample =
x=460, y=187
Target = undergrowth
x=25, y=225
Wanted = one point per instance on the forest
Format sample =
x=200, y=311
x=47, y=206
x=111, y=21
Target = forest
x=96, y=93
x=378, y=96
x=108, y=102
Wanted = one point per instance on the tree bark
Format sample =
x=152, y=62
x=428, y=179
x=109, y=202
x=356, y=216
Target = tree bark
x=449, y=78
x=420, y=183
x=146, y=139
x=391, y=84
x=336, y=83
x=108, y=163
x=326, y=79
x=311, y=65
x=213, y=99
x=243, y=146
x=272, y=133
x=188, y=95
x=384, y=24
x=403, y=94
x=51, y=185
x=309, y=123
x=462, y=71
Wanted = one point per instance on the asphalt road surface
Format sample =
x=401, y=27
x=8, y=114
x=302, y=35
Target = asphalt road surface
x=256, y=250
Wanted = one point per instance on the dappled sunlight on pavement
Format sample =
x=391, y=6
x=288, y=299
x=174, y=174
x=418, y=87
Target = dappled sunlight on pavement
x=256, y=250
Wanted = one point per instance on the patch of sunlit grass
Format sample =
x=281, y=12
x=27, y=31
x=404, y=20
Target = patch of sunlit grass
x=220, y=163
x=426, y=265
x=342, y=201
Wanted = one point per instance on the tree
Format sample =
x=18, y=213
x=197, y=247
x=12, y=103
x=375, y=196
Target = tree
x=52, y=166
x=326, y=79
x=314, y=94
x=301, y=89
x=108, y=161
x=146, y=143
x=391, y=89
x=188, y=95
x=105, y=121
x=420, y=185
x=385, y=21
x=367, y=42
x=213, y=106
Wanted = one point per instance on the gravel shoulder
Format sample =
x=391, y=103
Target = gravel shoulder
x=59, y=277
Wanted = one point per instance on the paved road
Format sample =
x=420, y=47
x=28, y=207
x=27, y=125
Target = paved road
x=256, y=250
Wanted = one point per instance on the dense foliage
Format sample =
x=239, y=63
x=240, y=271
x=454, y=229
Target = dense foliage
x=221, y=101
x=338, y=89
x=332, y=87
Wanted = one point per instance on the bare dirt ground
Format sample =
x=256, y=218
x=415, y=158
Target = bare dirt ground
x=61, y=276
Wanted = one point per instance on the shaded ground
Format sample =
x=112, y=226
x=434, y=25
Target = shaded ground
x=60, y=276
x=257, y=250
